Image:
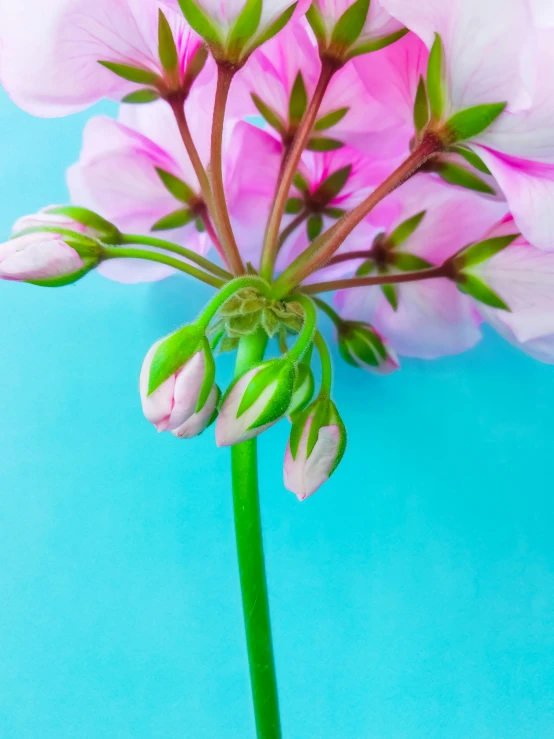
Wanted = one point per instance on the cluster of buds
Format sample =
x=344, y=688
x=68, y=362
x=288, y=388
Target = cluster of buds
x=179, y=395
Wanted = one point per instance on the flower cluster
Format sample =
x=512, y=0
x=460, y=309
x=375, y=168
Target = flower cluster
x=397, y=155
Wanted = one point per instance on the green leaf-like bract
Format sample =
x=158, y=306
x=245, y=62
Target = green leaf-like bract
x=314, y=226
x=141, y=96
x=410, y=262
x=403, y=232
x=456, y=175
x=298, y=100
x=421, y=107
x=245, y=26
x=167, y=50
x=483, y=251
x=268, y=114
x=274, y=28
x=209, y=375
x=471, y=158
x=436, y=79
x=475, y=287
x=324, y=144
x=332, y=185
x=470, y=122
x=179, y=189
x=177, y=219
x=200, y=22
x=391, y=294
x=331, y=119
x=277, y=373
x=350, y=25
x=172, y=354
x=313, y=16
x=85, y=216
x=132, y=74
x=294, y=206
x=377, y=43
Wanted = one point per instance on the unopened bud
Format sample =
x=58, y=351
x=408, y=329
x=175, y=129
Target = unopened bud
x=361, y=346
x=200, y=421
x=69, y=217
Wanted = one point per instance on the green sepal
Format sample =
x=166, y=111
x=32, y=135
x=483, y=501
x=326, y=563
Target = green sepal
x=436, y=82
x=140, y=97
x=245, y=26
x=403, y=232
x=350, y=25
x=391, y=294
x=314, y=18
x=483, y=251
x=357, y=346
x=421, y=107
x=336, y=420
x=215, y=414
x=209, y=375
x=65, y=280
x=334, y=212
x=132, y=74
x=376, y=44
x=314, y=226
x=298, y=102
x=177, y=219
x=332, y=185
x=303, y=389
x=274, y=28
x=470, y=122
x=282, y=374
x=453, y=174
x=410, y=262
x=269, y=115
x=366, y=268
x=475, y=287
x=173, y=353
x=299, y=181
x=294, y=206
x=471, y=158
x=179, y=189
x=167, y=50
x=200, y=225
x=331, y=119
x=324, y=144
x=200, y=22
x=87, y=218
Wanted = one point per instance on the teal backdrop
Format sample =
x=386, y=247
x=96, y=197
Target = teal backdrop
x=412, y=597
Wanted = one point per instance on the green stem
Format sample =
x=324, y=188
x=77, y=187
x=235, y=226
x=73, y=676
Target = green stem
x=326, y=364
x=308, y=329
x=208, y=265
x=320, y=252
x=110, y=252
x=222, y=221
x=248, y=530
x=329, y=312
x=271, y=241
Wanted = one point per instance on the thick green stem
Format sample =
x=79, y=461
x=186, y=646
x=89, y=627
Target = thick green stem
x=169, y=246
x=250, y=553
x=111, y=252
x=221, y=214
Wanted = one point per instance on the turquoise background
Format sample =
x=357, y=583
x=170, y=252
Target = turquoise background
x=412, y=597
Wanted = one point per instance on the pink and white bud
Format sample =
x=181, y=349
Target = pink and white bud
x=315, y=448
x=71, y=218
x=200, y=421
x=175, y=401
x=362, y=346
x=44, y=219
x=44, y=258
x=256, y=401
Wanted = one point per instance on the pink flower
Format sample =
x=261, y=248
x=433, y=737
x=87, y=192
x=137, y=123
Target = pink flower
x=523, y=277
x=314, y=452
x=432, y=318
x=495, y=53
x=50, y=50
x=378, y=26
x=175, y=401
x=45, y=258
x=118, y=175
x=270, y=77
x=200, y=421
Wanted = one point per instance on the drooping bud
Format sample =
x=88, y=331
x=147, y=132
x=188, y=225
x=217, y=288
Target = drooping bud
x=200, y=421
x=316, y=446
x=177, y=378
x=71, y=217
x=255, y=401
x=361, y=346
x=303, y=390
x=48, y=259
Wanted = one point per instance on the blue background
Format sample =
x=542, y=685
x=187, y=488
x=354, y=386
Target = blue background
x=412, y=597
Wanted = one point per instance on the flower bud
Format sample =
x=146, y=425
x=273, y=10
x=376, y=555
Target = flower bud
x=200, y=421
x=316, y=446
x=361, y=346
x=47, y=259
x=69, y=217
x=255, y=401
x=176, y=379
x=303, y=389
